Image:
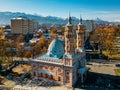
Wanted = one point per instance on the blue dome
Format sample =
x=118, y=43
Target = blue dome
x=56, y=49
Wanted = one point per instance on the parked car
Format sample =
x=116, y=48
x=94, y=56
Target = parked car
x=117, y=65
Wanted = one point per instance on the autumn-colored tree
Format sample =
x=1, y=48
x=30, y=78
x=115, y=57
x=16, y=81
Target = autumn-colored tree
x=28, y=53
x=2, y=51
x=5, y=52
x=104, y=35
x=1, y=32
x=53, y=31
x=117, y=31
x=41, y=46
x=19, y=40
x=62, y=30
x=20, y=46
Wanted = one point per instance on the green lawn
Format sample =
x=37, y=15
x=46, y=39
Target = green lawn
x=117, y=72
x=113, y=56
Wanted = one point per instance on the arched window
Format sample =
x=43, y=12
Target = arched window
x=67, y=73
x=51, y=76
x=41, y=74
x=46, y=75
x=59, y=78
x=34, y=73
x=51, y=68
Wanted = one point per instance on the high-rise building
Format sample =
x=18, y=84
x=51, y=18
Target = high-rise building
x=22, y=25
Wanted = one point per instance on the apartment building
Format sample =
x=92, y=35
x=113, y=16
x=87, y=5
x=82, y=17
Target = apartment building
x=23, y=25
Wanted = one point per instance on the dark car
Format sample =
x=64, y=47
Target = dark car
x=117, y=65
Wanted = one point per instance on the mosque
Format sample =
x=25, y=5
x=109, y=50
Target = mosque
x=63, y=63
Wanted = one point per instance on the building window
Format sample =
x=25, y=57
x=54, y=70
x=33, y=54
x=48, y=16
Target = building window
x=51, y=68
x=34, y=74
x=46, y=67
x=41, y=74
x=67, y=79
x=59, y=78
x=46, y=75
x=67, y=73
x=51, y=76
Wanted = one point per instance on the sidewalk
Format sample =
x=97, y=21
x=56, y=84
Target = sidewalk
x=18, y=87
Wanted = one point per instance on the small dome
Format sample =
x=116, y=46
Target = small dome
x=56, y=49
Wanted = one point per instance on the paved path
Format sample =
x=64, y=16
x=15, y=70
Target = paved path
x=103, y=68
x=19, y=87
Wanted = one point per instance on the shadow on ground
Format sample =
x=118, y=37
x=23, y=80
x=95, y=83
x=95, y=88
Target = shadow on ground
x=99, y=81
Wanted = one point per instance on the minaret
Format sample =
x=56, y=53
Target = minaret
x=69, y=56
x=69, y=38
x=80, y=35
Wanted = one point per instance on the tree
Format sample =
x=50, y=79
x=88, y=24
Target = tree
x=4, y=55
x=1, y=32
x=19, y=47
x=19, y=39
x=28, y=53
x=117, y=31
x=53, y=31
x=41, y=46
x=105, y=37
x=62, y=30
x=2, y=51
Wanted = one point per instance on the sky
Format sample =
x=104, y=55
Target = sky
x=88, y=9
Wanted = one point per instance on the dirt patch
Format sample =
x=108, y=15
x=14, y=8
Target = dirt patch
x=2, y=79
x=21, y=68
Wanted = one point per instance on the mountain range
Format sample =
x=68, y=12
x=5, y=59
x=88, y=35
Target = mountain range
x=5, y=18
